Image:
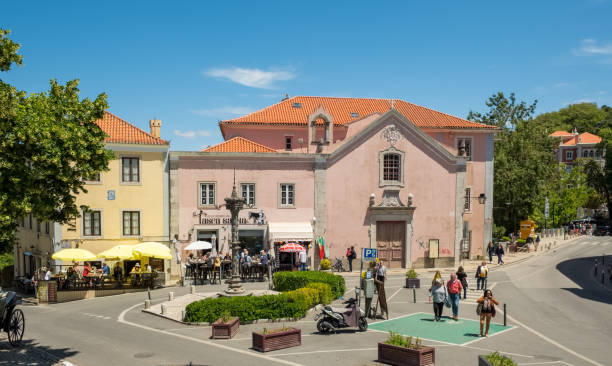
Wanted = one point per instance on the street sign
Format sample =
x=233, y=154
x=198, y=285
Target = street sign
x=546, y=206
x=110, y=194
x=369, y=253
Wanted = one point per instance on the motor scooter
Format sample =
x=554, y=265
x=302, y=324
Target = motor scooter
x=331, y=319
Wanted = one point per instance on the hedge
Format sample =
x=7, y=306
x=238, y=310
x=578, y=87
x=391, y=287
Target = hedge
x=291, y=304
x=288, y=281
x=325, y=295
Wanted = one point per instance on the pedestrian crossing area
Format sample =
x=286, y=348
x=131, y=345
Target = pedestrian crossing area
x=472, y=293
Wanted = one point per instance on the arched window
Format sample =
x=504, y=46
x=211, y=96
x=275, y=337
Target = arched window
x=585, y=154
x=392, y=167
x=591, y=154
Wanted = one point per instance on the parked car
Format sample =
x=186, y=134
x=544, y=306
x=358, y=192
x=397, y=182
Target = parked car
x=602, y=230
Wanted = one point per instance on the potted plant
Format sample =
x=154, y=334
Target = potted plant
x=412, y=279
x=225, y=327
x=271, y=340
x=325, y=265
x=495, y=359
x=400, y=351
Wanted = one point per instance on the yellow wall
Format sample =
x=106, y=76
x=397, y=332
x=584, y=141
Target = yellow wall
x=147, y=196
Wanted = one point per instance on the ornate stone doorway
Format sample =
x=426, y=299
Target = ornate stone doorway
x=390, y=242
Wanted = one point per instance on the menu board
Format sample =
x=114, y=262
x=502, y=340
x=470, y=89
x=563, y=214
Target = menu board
x=47, y=291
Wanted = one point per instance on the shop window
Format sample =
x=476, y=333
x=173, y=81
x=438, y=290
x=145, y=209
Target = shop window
x=287, y=195
x=131, y=223
x=91, y=223
x=288, y=141
x=207, y=194
x=467, y=207
x=248, y=193
x=130, y=168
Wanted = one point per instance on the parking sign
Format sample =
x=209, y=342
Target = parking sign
x=369, y=253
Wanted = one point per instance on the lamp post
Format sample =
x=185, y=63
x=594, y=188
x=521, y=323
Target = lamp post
x=234, y=204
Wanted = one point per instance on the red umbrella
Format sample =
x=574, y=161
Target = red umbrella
x=291, y=248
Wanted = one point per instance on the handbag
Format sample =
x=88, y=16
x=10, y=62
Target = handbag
x=447, y=302
x=479, y=308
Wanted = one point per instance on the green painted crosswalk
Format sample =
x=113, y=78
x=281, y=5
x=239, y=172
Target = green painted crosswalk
x=422, y=325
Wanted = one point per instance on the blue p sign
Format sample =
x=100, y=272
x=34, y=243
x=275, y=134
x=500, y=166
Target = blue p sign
x=369, y=253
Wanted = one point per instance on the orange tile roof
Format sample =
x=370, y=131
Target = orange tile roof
x=239, y=144
x=123, y=132
x=346, y=110
x=585, y=138
x=561, y=134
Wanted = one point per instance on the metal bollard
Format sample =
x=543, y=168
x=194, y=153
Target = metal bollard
x=149, y=292
x=192, y=289
x=164, y=309
x=147, y=304
x=414, y=293
x=505, y=322
x=170, y=296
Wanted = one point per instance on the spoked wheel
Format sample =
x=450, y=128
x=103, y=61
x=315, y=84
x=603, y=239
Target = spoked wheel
x=16, y=327
x=363, y=324
x=324, y=326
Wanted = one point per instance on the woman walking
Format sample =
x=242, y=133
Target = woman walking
x=454, y=291
x=491, y=251
x=438, y=294
x=487, y=310
x=462, y=277
x=500, y=252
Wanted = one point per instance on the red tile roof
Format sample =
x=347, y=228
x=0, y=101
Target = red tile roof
x=561, y=134
x=585, y=138
x=123, y=132
x=346, y=110
x=239, y=144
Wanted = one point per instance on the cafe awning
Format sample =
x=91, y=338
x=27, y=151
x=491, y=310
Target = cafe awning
x=290, y=231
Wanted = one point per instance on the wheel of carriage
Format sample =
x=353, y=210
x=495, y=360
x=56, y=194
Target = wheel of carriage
x=16, y=327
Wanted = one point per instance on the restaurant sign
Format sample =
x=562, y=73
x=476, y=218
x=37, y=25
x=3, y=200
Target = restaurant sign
x=255, y=218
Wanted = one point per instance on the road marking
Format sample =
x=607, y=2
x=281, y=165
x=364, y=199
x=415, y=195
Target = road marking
x=555, y=343
x=546, y=363
x=326, y=351
x=492, y=335
x=485, y=350
x=395, y=293
x=121, y=319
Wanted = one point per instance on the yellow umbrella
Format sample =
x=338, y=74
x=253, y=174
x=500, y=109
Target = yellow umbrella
x=119, y=253
x=74, y=254
x=153, y=249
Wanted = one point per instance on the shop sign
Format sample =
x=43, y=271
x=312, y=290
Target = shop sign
x=255, y=218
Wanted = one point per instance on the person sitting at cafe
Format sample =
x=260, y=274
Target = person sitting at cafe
x=118, y=274
x=105, y=269
x=86, y=269
x=47, y=273
x=135, y=273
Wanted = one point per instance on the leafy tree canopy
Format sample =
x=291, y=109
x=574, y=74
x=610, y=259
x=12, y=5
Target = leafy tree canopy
x=586, y=117
x=48, y=143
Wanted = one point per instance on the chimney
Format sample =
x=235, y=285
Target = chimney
x=155, y=126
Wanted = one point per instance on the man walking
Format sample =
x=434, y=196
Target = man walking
x=303, y=259
x=350, y=255
x=481, y=276
x=454, y=292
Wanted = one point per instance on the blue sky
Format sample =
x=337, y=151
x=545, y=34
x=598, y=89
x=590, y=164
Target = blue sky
x=192, y=64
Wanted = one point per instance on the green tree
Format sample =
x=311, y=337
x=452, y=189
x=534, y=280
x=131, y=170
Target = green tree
x=586, y=117
x=524, y=159
x=48, y=143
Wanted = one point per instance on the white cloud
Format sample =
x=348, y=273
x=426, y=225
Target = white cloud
x=590, y=47
x=561, y=85
x=222, y=111
x=254, y=78
x=192, y=134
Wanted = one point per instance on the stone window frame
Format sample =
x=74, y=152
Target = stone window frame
x=128, y=182
x=207, y=205
x=467, y=138
x=94, y=235
x=125, y=210
x=280, y=187
x=468, y=200
x=254, y=193
x=569, y=155
x=381, y=165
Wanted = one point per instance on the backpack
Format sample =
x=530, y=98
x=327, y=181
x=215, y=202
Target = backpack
x=482, y=271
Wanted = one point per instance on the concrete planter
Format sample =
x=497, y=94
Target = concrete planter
x=402, y=356
x=413, y=282
x=278, y=340
x=221, y=330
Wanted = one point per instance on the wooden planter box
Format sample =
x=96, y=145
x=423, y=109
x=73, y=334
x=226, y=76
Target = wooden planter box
x=227, y=330
x=410, y=282
x=277, y=340
x=401, y=356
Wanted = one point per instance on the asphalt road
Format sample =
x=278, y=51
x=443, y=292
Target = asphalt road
x=560, y=316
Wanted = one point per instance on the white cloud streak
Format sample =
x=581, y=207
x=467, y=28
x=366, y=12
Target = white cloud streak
x=222, y=111
x=192, y=134
x=254, y=78
x=590, y=47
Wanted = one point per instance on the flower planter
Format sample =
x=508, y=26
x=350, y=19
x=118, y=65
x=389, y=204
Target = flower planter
x=413, y=282
x=402, y=356
x=278, y=340
x=221, y=330
x=482, y=361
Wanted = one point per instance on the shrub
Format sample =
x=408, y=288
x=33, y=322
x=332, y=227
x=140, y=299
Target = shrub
x=401, y=341
x=495, y=359
x=505, y=238
x=411, y=273
x=324, y=292
x=288, y=281
x=325, y=265
x=521, y=241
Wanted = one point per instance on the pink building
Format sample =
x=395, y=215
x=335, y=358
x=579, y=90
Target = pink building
x=573, y=146
x=371, y=173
